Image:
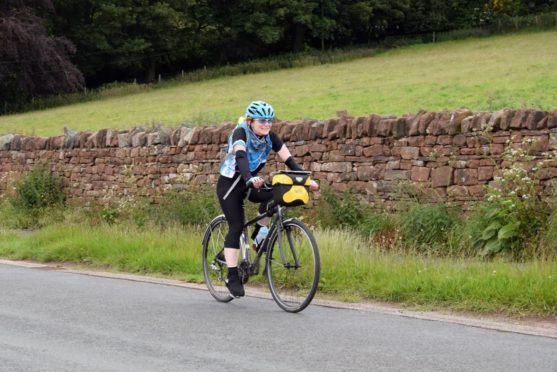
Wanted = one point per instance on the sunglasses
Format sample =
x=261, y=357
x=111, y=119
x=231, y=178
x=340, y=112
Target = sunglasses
x=265, y=121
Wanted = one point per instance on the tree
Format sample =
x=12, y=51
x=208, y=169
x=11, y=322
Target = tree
x=32, y=63
x=126, y=38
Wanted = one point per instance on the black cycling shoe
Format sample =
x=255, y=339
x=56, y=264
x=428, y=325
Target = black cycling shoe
x=235, y=286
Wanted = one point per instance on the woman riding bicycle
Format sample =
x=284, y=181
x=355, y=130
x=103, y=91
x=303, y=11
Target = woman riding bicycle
x=248, y=148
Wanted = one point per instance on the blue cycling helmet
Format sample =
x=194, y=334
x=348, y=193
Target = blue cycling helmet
x=260, y=110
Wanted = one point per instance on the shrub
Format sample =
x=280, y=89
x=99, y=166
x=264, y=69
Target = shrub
x=22, y=209
x=347, y=211
x=513, y=212
x=351, y=212
x=426, y=224
x=39, y=188
x=37, y=200
x=549, y=238
x=185, y=208
x=110, y=215
x=375, y=223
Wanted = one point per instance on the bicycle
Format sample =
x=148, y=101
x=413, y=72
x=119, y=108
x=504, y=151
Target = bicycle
x=292, y=264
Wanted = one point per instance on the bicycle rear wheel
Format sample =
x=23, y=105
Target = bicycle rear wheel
x=214, y=265
x=293, y=281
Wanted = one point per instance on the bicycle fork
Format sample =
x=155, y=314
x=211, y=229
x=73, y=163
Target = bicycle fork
x=291, y=245
x=278, y=230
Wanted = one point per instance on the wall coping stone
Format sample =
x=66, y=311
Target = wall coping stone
x=451, y=123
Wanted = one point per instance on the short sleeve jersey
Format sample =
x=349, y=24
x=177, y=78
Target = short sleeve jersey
x=257, y=149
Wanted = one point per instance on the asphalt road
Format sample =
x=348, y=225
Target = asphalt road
x=60, y=321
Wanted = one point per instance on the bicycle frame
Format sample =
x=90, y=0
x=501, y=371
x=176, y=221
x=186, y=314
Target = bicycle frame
x=276, y=212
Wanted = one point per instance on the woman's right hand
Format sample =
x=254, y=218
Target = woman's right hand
x=255, y=182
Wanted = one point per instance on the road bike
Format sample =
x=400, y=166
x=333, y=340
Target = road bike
x=290, y=252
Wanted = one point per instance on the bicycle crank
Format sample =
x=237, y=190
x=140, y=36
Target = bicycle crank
x=243, y=271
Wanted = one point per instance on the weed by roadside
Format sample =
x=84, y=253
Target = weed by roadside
x=38, y=200
x=348, y=211
x=425, y=227
x=514, y=214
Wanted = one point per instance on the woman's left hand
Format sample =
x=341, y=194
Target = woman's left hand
x=313, y=186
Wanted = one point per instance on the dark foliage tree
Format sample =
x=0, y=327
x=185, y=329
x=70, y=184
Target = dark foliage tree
x=32, y=63
x=119, y=39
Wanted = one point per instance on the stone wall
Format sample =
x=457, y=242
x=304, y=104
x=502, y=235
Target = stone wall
x=450, y=153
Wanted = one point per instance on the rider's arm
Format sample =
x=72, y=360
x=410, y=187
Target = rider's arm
x=284, y=154
x=239, y=148
x=286, y=157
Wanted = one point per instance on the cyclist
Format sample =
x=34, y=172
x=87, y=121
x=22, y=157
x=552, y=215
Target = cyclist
x=248, y=147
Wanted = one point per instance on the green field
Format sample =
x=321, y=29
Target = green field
x=515, y=70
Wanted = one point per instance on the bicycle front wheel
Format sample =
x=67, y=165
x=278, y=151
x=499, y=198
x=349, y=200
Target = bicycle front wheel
x=293, y=266
x=214, y=265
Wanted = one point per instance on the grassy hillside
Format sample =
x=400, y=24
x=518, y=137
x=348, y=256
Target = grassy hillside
x=483, y=74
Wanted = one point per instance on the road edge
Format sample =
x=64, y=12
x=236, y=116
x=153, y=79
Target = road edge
x=546, y=329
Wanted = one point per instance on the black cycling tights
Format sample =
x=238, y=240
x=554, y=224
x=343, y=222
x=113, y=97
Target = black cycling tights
x=233, y=205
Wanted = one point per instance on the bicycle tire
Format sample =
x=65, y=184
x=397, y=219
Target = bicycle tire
x=214, y=270
x=293, y=288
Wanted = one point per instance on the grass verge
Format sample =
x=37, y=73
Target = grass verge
x=352, y=272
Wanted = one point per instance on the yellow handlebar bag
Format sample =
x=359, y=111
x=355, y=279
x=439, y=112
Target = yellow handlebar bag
x=290, y=188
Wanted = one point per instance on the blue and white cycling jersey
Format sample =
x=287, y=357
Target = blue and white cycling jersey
x=257, y=149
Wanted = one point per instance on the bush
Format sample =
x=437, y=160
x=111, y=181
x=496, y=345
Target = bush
x=184, y=208
x=375, y=223
x=38, y=189
x=37, y=201
x=513, y=214
x=549, y=238
x=351, y=212
x=14, y=217
x=426, y=224
x=346, y=211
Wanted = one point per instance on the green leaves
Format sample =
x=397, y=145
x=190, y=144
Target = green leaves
x=497, y=237
x=491, y=247
x=513, y=211
x=491, y=230
x=508, y=231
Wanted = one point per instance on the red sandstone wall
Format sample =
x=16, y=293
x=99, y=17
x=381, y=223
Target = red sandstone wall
x=451, y=153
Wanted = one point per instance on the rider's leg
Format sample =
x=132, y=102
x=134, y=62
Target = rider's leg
x=233, y=208
x=231, y=256
x=231, y=198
